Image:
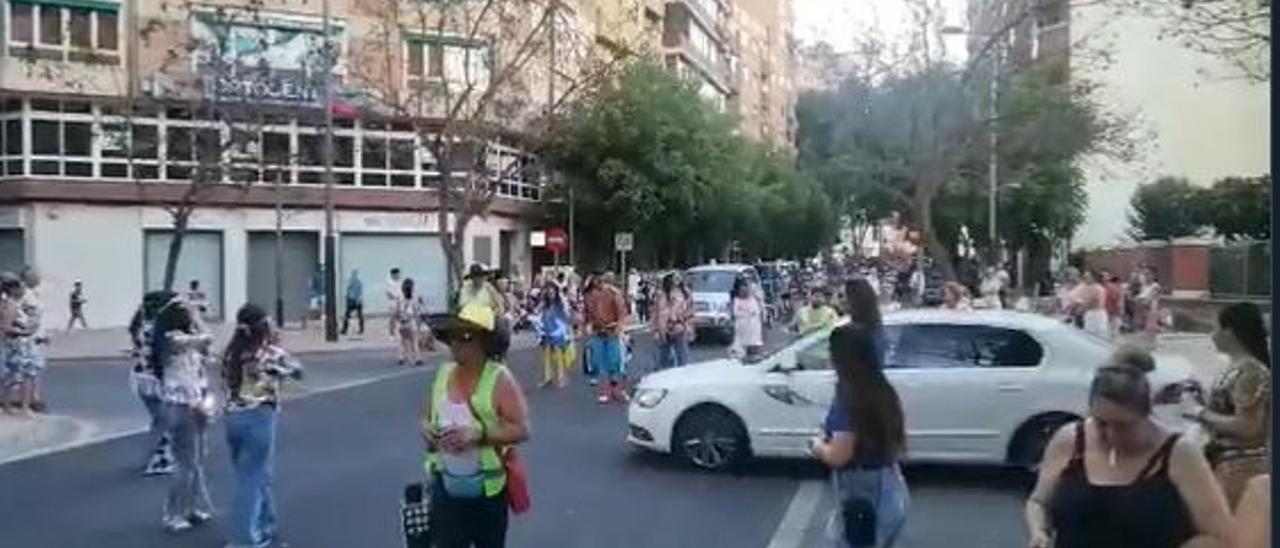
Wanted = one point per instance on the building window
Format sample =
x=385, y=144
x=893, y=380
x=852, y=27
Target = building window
x=429, y=60
x=1051, y=13
x=86, y=33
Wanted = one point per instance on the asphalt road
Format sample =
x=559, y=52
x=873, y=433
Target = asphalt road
x=344, y=456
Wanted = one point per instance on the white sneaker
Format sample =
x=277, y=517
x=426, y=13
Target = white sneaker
x=199, y=517
x=177, y=524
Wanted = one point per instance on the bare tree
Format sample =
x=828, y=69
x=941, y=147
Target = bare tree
x=1235, y=31
x=481, y=81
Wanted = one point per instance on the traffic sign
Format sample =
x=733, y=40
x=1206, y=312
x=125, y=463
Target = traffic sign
x=557, y=241
x=623, y=241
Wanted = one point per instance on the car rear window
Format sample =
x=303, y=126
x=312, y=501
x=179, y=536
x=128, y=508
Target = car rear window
x=711, y=281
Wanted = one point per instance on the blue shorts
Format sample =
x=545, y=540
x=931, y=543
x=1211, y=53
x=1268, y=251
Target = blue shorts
x=606, y=356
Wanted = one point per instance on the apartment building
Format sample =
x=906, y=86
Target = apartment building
x=1193, y=115
x=103, y=131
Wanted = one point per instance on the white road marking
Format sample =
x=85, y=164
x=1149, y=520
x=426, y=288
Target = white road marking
x=800, y=513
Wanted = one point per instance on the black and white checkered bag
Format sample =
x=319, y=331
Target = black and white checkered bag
x=415, y=509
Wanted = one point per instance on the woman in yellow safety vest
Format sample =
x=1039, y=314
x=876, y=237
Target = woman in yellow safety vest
x=476, y=410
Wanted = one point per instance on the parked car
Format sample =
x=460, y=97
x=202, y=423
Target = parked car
x=711, y=286
x=981, y=387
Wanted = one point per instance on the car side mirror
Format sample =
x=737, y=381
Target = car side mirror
x=786, y=365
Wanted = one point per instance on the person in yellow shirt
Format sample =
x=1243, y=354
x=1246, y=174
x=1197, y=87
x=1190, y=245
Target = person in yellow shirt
x=815, y=315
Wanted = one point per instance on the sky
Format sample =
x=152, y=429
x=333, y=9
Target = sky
x=840, y=22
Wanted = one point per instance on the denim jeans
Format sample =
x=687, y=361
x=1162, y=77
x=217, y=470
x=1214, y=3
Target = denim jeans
x=188, y=492
x=886, y=489
x=251, y=437
x=673, y=352
x=606, y=356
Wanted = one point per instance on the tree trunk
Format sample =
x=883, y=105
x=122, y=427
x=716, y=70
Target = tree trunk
x=941, y=256
x=181, y=218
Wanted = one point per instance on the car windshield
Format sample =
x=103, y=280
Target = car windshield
x=711, y=281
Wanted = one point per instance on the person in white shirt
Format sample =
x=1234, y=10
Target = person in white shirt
x=393, y=293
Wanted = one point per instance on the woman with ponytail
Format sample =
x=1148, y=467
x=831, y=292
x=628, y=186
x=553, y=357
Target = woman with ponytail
x=1236, y=411
x=253, y=368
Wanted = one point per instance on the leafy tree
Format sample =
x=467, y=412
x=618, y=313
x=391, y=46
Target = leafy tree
x=1238, y=207
x=1165, y=209
x=645, y=153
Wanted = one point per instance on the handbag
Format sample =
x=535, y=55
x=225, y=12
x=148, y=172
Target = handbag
x=859, y=522
x=517, y=482
x=415, y=514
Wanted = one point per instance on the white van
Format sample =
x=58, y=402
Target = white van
x=711, y=286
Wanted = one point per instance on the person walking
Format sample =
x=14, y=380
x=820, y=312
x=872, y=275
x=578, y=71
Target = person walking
x=355, y=302
x=863, y=443
x=181, y=343
x=1091, y=303
x=474, y=418
x=748, y=319
x=146, y=378
x=1114, y=303
x=606, y=312
x=815, y=314
x=1148, y=317
x=555, y=335
x=1118, y=479
x=409, y=312
x=1236, y=410
x=17, y=333
x=671, y=323
x=991, y=288
x=392, y=292
x=253, y=368
x=197, y=298
x=77, y=302
x=315, y=296
x=33, y=309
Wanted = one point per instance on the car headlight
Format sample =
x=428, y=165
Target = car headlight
x=649, y=398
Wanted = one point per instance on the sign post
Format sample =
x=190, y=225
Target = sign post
x=624, y=242
x=556, y=243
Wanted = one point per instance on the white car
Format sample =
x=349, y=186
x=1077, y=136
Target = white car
x=980, y=387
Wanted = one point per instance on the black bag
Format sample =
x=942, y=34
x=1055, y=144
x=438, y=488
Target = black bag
x=859, y=522
x=415, y=512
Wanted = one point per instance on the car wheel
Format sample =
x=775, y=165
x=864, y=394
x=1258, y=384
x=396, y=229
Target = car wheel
x=711, y=438
x=1033, y=437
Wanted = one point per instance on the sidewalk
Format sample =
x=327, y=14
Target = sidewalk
x=114, y=342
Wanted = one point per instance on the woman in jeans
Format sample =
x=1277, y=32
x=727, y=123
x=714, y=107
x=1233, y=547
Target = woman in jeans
x=671, y=317
x=146, y=378
x=253, y=368
x=864, y=442
x=181, y=344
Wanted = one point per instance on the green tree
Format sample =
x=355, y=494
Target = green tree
x=1238, y=207
x=1168, y=208
x=645, y=153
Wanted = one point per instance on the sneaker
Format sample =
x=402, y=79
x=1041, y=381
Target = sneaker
x=199, y=517
x=594, y=381
x=603, y=397
x=159, y=467
x=176, y=525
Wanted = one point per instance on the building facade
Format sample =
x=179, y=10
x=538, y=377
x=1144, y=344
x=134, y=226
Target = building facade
x=112, y=111
x=107, y=126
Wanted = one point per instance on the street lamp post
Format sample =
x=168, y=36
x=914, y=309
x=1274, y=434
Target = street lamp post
x=993, y=138
x=330, y=238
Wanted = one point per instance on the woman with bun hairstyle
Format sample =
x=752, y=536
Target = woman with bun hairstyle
x=1117, y=479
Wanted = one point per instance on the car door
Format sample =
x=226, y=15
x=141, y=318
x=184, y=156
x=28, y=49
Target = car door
x=792, y=402
x=961, y=387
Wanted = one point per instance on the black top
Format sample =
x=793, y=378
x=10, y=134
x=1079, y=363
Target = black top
x=1146, y=513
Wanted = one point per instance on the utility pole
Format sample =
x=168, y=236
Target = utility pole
x=279, y=250
x=330, y=238
x=993, y=158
